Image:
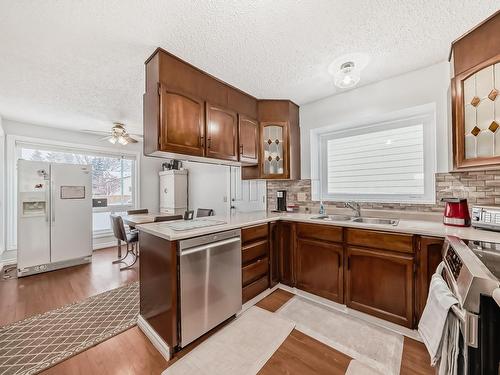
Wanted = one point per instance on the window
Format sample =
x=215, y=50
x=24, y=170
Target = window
x=113, y=177
x=388, y=161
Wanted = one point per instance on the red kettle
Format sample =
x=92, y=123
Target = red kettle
x=456, y=212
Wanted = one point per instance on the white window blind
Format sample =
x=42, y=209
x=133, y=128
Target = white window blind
x=386, y=161
x=382, y=162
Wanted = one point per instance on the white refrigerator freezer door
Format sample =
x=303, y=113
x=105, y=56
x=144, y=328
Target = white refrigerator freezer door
x=33, y=228
x=71, y=216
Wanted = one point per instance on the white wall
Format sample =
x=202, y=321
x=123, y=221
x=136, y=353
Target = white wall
x=424, y=86
x=209, y=187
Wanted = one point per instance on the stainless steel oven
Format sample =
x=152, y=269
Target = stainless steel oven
x=474, y=284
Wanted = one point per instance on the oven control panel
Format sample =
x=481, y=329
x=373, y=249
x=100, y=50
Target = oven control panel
x=454, y=262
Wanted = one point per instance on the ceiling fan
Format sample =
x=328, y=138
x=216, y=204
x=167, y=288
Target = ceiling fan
x=118, y=135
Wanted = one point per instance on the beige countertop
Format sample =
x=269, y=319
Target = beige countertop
x=240, y=220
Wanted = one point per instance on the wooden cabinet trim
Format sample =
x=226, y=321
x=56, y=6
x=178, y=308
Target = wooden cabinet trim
x=398, y=242
x=321, y=232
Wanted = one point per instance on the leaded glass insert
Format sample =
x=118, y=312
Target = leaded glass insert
x=482, y=113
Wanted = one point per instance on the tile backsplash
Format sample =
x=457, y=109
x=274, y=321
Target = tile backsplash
x=479, y=187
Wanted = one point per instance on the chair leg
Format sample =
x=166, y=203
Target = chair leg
x=121, y=260
x=134, y=255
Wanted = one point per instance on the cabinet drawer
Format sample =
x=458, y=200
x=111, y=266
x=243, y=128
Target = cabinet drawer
x=254, y=233
x=380, y=240
x=319, y=232
x=254, y=251
x=255, y=288
x=255, y=271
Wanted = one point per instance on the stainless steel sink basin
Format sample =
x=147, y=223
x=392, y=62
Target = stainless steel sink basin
x=376, y=220
x=333, y=217
x=361, y=219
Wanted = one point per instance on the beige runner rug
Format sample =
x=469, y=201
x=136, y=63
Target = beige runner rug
x=370, y=345
x=34, y=344
x=242, y=348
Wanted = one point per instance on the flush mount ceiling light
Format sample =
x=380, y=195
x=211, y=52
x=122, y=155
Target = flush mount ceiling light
x=347, y=76
x=346, y=69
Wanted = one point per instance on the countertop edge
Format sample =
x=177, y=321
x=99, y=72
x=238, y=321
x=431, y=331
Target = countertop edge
x=405, y=226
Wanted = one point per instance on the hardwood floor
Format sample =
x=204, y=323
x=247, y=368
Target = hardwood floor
x=129, y=353
x=275, y=300
x=132, y=353
x=302, y=355
x=31, y=295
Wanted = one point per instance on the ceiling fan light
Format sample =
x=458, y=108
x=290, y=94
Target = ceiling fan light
x=112, y=140
x=347, y=76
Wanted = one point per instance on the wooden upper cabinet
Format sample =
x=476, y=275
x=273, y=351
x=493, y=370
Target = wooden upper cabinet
x=222, y=133
x=248, y=131
x=475, y=91
x=279, y=141
x=380, y=283
x=274, y=148
x=182, y=124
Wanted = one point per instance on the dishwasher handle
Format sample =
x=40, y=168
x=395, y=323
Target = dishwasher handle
x=207, y=246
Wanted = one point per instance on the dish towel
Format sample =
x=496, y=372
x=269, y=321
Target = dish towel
x=448, y=365
x=435, y=318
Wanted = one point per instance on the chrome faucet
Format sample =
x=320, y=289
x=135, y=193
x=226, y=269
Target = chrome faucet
x=354, y=206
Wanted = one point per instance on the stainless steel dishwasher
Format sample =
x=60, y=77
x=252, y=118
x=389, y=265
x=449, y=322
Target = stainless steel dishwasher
x=210, y=282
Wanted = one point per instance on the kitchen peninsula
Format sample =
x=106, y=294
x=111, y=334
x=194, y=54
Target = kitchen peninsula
x=335, y=259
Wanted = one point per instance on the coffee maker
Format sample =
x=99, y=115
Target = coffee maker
x=281, y=200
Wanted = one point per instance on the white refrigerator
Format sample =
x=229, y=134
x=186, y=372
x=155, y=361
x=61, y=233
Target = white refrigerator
x=54, y=216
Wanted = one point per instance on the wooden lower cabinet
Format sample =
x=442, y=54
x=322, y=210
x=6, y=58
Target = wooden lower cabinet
x=319, y=268
x=429, y=256
x=285, y=253
x=380, y=283
x=254, y=260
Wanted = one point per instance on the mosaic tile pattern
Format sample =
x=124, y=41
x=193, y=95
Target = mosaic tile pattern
x=34, y=344
x=479, y=187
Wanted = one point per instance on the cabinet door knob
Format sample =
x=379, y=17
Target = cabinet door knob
x=202, y=138
x=209, y=142
x=241, y=149
x=165, y=190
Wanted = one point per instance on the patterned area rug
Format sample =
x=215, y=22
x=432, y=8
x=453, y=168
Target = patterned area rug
x=34, y=344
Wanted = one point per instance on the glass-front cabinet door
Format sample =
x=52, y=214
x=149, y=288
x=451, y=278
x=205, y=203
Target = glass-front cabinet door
x=274, y=150
x=476, y=106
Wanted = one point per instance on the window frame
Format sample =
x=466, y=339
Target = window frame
x=12, y=155
x=418, y=115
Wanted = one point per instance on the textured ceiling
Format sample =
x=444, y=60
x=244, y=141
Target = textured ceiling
x=79, y=64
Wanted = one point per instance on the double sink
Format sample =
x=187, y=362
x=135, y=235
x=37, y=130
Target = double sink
x=357, y=219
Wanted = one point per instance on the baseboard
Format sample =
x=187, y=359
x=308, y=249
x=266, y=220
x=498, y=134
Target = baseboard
x=155, y=339
x=413, y=334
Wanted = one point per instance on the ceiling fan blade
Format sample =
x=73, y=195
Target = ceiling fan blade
x=106, y=138
x=130, y=139
x=97, y=132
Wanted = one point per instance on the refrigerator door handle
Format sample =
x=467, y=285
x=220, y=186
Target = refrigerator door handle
x=52, y=201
